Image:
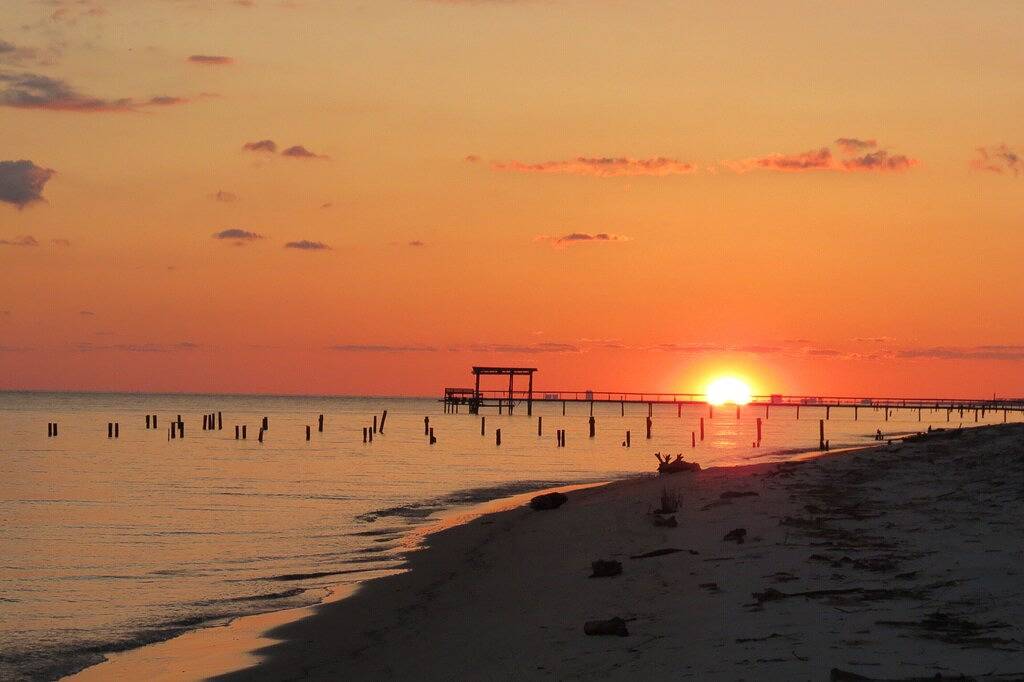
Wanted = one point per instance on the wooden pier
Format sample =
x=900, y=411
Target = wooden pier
x=476, y=399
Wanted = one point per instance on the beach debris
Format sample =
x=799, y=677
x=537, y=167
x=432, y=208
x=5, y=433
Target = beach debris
x=667, y=465
x=665, y=521
x=548, y=501
x=710, y=587
x=744, y=640
x=866, y=594
x=737, y=535
x=662, y=552
x=837, y=675
x=605, y=569
x=613, y=626
x=670, y=500
x=953, y=629
x=732, y=494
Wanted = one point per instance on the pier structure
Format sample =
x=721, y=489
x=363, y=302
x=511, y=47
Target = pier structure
x=476, y=399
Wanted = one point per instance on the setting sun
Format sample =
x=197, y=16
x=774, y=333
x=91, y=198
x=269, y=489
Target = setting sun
x=728, y=390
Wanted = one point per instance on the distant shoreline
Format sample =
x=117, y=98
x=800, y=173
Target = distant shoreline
x=506, y=594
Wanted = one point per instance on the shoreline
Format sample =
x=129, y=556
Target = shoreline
x=495, y=560
x=222, y=647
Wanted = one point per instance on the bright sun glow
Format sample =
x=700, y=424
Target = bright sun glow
x=728, y=390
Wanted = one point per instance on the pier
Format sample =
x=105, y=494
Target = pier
x=476, y=399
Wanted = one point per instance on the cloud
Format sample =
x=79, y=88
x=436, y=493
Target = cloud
x=87, y=347
x=260, y=146
x=380, y=348
x=581, y=238
x=879, y=161
x=853, y=145
x=86, y=313
x=15, y=55
x=237, y=235
x=578, y=237
x=300, y=152
x=529, y=349
x=210, y=60
x=21, y=240
x=471, y=158
x=226, y=197
x=417, y=243
x=998, y=159
x=22, y=182
x=306, y=245
x=991, y=352
x=34, y=91
x=604, y=167
x=61, y=242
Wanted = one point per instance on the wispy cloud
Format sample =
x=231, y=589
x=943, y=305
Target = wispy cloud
x=603, y=167
x=417, y=243
x=236, y=235
x=852, y=160
x=210, y=60
x=853, y=145
x=998, y=159
x=380, y=348
x=223, y=196
x=17, y=55
x=60, y=242
x=989, y=352
x=21, y=240
x=300, y=152
x=270, y=147
x=260, y=146
x=307, y=245
x=581, y=238
x=527, y=348
x=34, y=91
x=22, y=182
x=147, y=347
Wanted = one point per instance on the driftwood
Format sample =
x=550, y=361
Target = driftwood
x=662, y=552
x=667, y=465
x=548, y=501
x=605, y=569
x=731, y=494
x=613, y=626
x=737, y=535
x=665, y=521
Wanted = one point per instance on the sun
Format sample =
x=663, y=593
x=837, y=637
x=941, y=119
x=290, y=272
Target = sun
x=728, y=390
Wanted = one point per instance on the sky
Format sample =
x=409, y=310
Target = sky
x=333, y=197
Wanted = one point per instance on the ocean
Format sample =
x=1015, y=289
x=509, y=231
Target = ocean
x=112, y=543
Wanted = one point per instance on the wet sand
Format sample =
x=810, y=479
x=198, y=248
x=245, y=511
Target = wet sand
x=891, y=564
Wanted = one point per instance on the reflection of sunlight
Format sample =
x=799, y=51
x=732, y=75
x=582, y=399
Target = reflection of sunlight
x=728, y=390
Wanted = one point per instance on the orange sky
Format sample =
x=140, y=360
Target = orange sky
x=628, y=195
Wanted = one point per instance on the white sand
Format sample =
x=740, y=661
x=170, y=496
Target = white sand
x=897, y=537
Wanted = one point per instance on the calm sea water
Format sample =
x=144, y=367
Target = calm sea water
x=108, y=544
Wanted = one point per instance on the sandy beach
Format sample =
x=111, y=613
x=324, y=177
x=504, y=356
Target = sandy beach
x=900, y=562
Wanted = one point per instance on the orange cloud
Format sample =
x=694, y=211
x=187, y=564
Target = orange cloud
x=22, y=182
x=34, y=91
x=603, y=167
x=879, y=161
x=210, y=60
x=997, y=159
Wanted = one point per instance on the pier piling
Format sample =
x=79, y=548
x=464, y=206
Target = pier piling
x=320, y=424
x=649, y=424
x=628, y=439
x=702, y=428
x=383, y=418
x=540, y=426
x=593, y=427
x=483, y=425
x=308, y=430
x=497, y=436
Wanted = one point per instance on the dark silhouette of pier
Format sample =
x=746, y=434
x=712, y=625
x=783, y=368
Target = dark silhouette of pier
x=476, y=399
